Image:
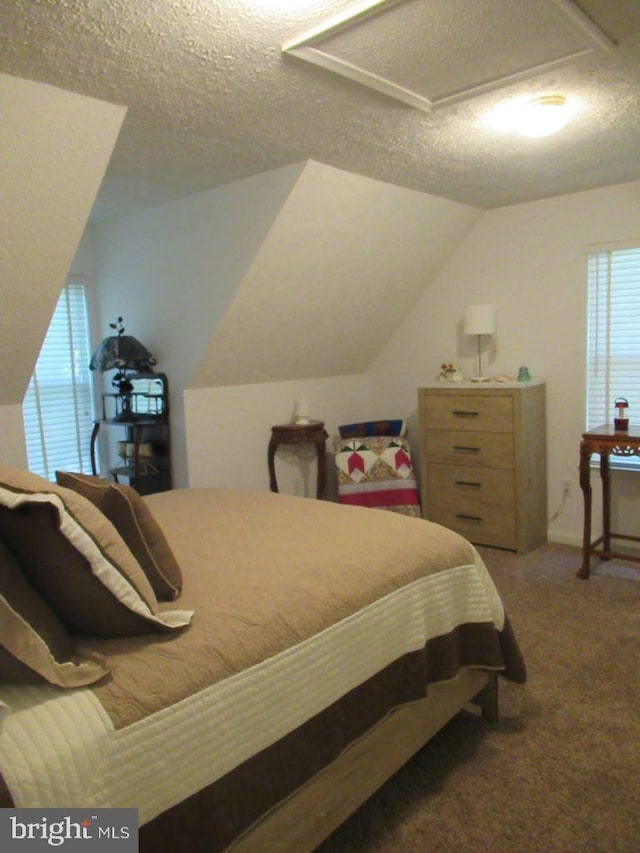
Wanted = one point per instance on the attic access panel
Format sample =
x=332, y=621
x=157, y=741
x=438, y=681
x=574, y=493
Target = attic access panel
x=432, y=53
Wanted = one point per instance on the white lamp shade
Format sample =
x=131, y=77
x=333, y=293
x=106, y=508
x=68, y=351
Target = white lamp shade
x=479, y=320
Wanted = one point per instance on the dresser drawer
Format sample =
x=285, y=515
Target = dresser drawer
x=478, y=492
x=468, y=412
x=483, y=461
x=493, y=450
x=495, y=532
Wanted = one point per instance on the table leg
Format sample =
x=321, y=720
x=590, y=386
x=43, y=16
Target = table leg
x=94, y=435
x=585, y=485
x=322, y=465
x=137, y=437
x=606, y=501
x=271, y=456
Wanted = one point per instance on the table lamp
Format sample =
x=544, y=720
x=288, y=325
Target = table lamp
x=126, y=355
x=479, y=320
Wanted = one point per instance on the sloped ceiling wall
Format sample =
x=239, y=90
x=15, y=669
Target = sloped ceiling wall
x=344, y=261
x=54, y=149
x=173, y=270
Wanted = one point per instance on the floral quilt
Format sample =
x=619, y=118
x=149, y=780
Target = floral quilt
x=377, y=472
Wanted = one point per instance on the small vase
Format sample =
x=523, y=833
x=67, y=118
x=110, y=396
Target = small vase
x=524, y=375
x=450, y=376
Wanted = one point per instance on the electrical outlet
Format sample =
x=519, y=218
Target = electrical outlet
x=566, y=488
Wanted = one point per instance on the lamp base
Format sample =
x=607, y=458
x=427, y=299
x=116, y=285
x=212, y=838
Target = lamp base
x=481, y=379
x=126, y=414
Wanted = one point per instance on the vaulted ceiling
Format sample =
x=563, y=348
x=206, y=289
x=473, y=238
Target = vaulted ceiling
x=55, y=147
x=212, y=97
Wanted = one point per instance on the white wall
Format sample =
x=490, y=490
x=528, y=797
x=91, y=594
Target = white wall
x=529, y=261
x=228, y=431
x=299, y=273
x=344, y=260
x=55, y=147
x=172, y=270
x=84, y=266
x=13, y=450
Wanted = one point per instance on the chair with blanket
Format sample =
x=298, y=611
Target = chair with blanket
x=374, y=467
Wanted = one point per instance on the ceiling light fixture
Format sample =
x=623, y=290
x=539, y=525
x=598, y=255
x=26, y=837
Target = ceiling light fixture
x=543, y=116
x=536, y=117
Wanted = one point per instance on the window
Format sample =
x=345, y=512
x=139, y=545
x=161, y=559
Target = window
x=58, y=406
x=613, y=335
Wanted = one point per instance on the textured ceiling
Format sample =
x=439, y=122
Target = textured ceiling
x=409, y=49
x=212, y=98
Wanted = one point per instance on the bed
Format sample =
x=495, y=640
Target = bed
x=244, y=668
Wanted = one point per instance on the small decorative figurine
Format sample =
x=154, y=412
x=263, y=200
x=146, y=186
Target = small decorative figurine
x=524, y=375
x=449, y=373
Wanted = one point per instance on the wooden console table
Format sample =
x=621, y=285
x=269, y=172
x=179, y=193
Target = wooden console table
x=311, y=433
x=605, y=441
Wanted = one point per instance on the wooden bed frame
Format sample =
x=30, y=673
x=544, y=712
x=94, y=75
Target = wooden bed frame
x=313, y=812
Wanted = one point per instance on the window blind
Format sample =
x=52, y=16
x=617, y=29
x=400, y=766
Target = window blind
x=613, y=335
x=58, y=406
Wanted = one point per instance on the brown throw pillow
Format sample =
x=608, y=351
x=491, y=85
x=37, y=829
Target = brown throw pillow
x=92, y=488
x=74, y=557
x=34, y=645
x=134, y=521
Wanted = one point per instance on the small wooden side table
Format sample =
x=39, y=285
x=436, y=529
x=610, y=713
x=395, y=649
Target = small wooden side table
x=605, y=441
x=311, y=433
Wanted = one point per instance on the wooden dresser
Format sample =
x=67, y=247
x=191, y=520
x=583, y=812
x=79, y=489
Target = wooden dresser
x=483, y=461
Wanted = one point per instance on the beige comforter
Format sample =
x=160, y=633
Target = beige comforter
x=312, y=622
x=264, y=572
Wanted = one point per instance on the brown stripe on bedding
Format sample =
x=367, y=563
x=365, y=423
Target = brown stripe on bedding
x=225, y=809
x=479, y=645
x=230, y=805
x=6, y=800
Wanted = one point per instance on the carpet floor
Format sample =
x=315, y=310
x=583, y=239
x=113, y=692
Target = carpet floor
x=560, y=771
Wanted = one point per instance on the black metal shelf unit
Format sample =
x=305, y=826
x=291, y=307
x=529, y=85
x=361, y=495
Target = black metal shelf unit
x=144, y=448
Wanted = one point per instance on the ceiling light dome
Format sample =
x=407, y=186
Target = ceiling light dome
x=534, y=117
x=543, y=116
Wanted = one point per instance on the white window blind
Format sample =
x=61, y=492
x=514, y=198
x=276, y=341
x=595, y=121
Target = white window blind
x=58, y=406
x=613, y=335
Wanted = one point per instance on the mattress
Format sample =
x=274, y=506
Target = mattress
x=312, y=622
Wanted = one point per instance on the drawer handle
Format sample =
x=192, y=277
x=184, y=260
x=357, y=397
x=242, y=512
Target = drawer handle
x=464, y=517
x=464, y=413
x=468, y=483
x=461, y=448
